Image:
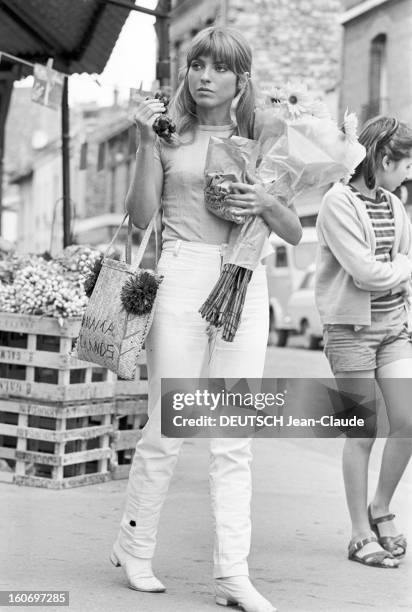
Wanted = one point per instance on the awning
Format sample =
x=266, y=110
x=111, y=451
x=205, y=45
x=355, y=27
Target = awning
x=78, y=34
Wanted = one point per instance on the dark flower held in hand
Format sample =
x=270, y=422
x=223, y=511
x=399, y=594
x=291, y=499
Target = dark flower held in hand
x=163, y=125
x=139, y=292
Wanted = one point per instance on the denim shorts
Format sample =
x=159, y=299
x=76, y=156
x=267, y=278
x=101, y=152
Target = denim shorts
x=352, y=348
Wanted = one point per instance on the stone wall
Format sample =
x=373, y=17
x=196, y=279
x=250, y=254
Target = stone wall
x=291, y=39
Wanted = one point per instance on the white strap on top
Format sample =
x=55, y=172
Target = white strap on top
x=128, y=246
x=145, y=240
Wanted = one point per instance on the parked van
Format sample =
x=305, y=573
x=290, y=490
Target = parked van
x=285, y=269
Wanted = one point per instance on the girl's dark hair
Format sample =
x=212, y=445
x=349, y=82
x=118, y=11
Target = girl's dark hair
x=382, y=136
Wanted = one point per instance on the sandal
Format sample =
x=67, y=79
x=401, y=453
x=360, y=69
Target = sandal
x=373, y=559
x=389, y=543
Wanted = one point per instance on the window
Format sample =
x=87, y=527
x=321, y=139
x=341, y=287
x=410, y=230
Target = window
x=281, y=257
x=378, y=100
x=308, y=220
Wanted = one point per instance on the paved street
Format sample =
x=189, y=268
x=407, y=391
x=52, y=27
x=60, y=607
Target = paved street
x=61, y=539
x=293, y=361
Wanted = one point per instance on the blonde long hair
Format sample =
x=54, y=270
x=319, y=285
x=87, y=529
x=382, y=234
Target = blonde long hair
x=224, y=45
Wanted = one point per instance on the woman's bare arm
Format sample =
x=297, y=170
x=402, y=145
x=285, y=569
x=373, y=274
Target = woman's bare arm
x=145, y=191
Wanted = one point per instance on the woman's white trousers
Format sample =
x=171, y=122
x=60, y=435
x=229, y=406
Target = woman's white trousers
x=178, y=347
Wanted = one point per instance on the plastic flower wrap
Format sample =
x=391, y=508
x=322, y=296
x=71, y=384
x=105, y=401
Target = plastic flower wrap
x=300, y=148
x=227, y=161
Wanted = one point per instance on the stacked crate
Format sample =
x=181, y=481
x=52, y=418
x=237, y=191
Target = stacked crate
x=63, y=422
x=56, y=445
x=130, y=416
x=56, y=412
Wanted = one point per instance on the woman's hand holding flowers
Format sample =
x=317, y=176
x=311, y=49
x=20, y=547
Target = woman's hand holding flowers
x=253, y=199
x=249, y=198
x=145, y=115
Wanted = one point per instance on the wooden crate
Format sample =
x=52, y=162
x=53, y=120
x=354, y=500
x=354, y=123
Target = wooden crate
x=56, y=445
x=43, y=390
x=129, y=418
x=35, y=361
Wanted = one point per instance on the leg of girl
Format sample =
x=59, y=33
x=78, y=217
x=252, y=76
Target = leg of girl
x=177, y=347
x=356, y=453
x=397, y=451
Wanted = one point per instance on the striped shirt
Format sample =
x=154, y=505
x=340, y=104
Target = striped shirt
x=383, y=223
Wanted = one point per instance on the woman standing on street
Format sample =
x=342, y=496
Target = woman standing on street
x=362, y=287
x=178, y=346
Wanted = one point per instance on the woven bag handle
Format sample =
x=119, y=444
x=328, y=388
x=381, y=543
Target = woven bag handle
x=145, y=240
x=128, y=247
x=115, y=235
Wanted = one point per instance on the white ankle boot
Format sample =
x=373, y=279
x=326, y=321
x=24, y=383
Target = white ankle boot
x=138, y=571
x=239, y=590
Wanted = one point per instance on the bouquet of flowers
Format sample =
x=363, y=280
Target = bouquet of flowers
x=299, y=147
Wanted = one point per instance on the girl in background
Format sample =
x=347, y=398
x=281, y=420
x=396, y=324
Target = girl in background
x=362, y=287
x=172, y=176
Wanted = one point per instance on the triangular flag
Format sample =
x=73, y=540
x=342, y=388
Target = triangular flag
x=48, y=85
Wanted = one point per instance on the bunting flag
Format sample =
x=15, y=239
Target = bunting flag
x=48, y=85
x=138, y=94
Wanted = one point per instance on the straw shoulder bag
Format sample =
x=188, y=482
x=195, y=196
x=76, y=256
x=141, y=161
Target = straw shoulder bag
x=120, y=310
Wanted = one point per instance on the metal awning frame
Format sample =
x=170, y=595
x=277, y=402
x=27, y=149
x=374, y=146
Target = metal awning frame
x=162, y=13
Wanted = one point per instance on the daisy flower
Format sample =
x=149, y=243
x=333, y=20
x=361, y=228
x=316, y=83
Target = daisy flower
x=297, y=99
x=274, y=96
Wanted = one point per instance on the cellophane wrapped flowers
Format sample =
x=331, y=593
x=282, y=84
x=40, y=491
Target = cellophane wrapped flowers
x=227, y=161
x=299, y=148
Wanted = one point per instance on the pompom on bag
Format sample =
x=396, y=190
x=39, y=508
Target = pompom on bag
x=110, y=335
